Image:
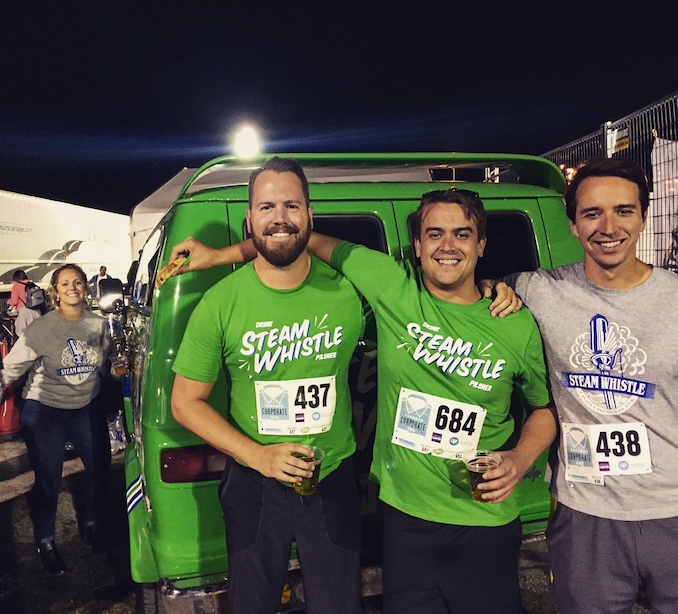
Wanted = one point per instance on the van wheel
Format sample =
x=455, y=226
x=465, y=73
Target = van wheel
x=148, y=600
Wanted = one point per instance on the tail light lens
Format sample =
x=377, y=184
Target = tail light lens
x=192, y=464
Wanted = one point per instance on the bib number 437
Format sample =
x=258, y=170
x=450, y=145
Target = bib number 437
x=312, y=396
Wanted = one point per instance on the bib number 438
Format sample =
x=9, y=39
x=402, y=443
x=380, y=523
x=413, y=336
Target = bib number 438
x=621, y=449
x=619, y=443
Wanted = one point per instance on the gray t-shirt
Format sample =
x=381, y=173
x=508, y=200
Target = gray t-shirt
x=63, y=357
x=613, y=365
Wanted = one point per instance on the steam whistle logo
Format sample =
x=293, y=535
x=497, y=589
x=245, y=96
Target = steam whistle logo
x=604, y=360
x=414, y=414
x=79, y=360
x=77, y=351
x=578, y=448
x=608, y=360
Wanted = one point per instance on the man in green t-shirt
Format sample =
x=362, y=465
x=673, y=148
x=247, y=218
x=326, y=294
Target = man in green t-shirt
x=285, y=327
x=447, y=370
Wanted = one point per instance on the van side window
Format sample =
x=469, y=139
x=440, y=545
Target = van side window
x=144, y=281
x=364, y=229
x=511, y=246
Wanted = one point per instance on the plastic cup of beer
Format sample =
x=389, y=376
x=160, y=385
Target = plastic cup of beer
x=477, y=463
x=120, y=365
x=309, y=486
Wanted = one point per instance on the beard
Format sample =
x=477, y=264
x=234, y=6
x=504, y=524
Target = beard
x=283, y=254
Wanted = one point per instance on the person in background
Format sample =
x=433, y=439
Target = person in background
x=17, y=297
x=64, y=353
x=26, y=316
x=94, y=282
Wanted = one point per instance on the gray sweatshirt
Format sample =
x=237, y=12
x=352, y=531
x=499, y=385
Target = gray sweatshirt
x=63, y=357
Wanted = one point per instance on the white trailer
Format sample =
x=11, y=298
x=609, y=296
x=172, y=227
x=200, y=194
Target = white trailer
x=39, y=235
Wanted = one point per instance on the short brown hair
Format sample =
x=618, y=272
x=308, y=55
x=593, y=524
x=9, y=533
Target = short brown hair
x=281, y=165
x=469, y=202
x=607, y=167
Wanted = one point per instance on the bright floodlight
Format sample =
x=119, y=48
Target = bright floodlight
x=246, y=143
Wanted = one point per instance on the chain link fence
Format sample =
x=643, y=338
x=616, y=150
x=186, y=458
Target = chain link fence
x=649, y=137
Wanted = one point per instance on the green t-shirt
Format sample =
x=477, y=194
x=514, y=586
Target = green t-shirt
x=286, y=354
x=430, y=349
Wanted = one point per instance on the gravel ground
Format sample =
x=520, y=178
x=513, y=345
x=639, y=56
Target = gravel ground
x=102, y=584
x=94, y=584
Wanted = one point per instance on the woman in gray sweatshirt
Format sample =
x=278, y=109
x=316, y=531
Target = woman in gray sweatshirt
x=64, y=353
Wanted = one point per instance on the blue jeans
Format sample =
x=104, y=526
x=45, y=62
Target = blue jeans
x=46, y=430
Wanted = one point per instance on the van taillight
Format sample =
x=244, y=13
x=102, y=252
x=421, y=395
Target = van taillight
x=192, y=464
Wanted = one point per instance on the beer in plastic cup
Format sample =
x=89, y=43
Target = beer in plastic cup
x=477, y=463
x=308, y=486
x=120, y=364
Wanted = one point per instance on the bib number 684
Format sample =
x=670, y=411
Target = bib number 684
x=454, y=420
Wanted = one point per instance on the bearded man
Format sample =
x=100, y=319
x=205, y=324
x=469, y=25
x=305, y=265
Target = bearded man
x=285, y=327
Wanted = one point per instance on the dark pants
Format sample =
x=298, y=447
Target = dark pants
x=434, y=568
x=264, y=517
x=598, y=563
x=46, y=430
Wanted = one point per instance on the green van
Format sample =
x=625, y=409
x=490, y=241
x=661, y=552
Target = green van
x=177, y=543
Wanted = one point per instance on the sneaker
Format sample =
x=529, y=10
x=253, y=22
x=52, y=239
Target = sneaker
x=51, y=559
x=93, y=535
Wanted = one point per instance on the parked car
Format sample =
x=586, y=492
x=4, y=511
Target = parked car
x=177, y=543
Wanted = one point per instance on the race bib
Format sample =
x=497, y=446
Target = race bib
x=595, y=450
x=296, y=407
x=433, y=425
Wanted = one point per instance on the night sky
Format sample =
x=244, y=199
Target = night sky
x=102, y=102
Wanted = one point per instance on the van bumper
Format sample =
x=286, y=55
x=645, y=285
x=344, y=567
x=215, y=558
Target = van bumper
x=212, y=599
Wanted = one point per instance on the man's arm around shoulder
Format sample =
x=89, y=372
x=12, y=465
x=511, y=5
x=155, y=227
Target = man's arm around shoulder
x=322, y=246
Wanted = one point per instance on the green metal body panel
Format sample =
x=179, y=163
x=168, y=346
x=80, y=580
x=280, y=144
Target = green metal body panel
x=176, y=531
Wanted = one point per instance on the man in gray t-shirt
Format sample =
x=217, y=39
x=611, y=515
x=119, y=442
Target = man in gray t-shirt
x=613, y=366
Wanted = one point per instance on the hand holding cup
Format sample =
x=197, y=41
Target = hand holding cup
x=478, y=462
x=309, y=486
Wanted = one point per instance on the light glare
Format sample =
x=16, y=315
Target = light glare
x=246, y=143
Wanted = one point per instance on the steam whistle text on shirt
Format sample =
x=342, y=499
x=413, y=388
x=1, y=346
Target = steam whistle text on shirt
x=452, y=355
x=279, y=345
